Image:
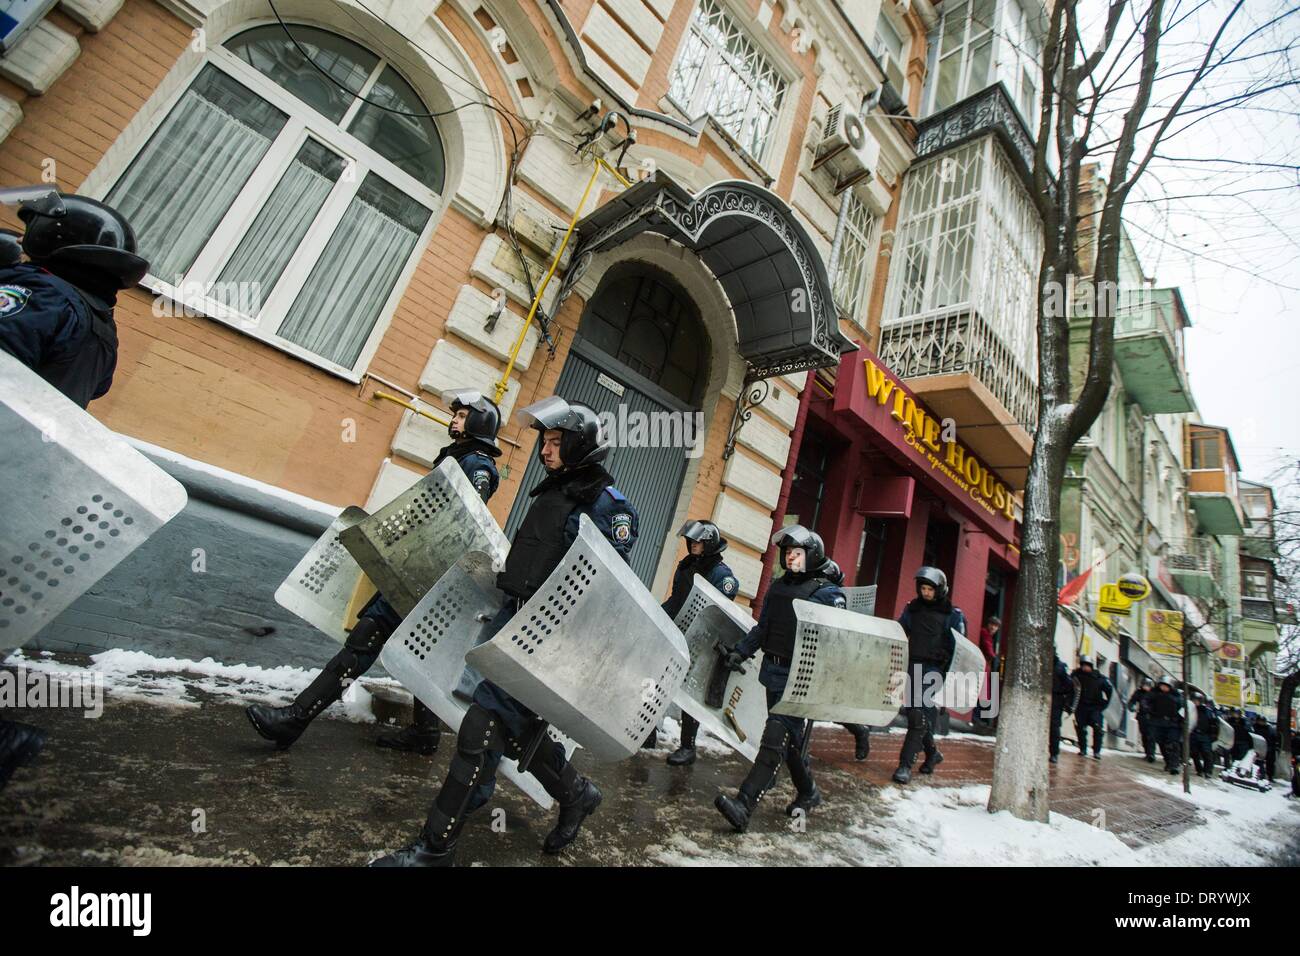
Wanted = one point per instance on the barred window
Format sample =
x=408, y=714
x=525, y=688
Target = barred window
x=856, y=266
x=721, y=72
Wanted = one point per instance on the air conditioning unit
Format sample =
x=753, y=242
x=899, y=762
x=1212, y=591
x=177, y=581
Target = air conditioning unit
x=847, y=150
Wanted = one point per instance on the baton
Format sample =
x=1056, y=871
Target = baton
x=530, y=751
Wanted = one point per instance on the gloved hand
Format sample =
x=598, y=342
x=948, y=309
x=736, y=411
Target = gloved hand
x=733, y=661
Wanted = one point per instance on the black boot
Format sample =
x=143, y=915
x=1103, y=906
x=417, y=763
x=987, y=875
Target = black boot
x=427, y=850
x=737, y=810
x=684, y=755
x=421, y=737
x=805, y=802
x=19, y=745
x=861, y=740
x=652, y=741
x=807, y=796
x=932, y=759
x=283, y=725
x=572, y=814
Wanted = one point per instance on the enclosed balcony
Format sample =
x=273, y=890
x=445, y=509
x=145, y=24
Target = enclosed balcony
x=1197, y=567
x=1212, y=480
x=1149, y=327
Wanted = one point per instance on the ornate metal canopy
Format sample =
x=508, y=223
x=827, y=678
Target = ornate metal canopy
x=760, y=254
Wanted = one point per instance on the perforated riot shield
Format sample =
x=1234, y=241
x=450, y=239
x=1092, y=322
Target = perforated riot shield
x=965, y=675
x=847, y=667
x=591, y=651
x=77, y=500
x=708, y=619
x=405, y=546
x=427, y=653
x=321, y=584
x=862, y=600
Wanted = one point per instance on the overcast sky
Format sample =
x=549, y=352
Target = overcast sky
x=1235, y=253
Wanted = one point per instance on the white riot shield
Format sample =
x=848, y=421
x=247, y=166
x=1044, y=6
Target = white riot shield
x=847, y=667
x=320, y=587
x=405, y=546
x=862, y=599
x=427, y=653
x=77, y=500
x=706, y=618
x=592, y=651
x=965, y=675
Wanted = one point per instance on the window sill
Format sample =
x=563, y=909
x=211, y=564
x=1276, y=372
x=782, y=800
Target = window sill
x=724, y=139
x=169, y=303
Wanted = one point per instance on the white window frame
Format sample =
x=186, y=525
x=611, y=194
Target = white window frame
x=699, y=96
x=303, y=122
x=963, y=53
x=886, y=56
x=862, y=231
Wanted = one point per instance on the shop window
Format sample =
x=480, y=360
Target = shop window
x=857, y=263
x=871, y=556
x=721, y=72
x=808, y=488
x=274, y=200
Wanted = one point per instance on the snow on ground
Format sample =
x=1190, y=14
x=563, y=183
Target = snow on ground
x=179, y=683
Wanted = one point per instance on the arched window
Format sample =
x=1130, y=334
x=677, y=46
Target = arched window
x=272, y=199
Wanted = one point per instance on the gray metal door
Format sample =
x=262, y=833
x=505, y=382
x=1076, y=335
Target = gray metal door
x=651, y=478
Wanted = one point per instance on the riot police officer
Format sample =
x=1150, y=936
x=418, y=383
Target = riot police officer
x=1062, y=703
x=1140, y=700
x=810, y=576
x=1203, y=735
x=704, y=547
x=572, y=447
x=928, y=620
x=56, y=317
x=1093, y=692
x=473, y=429
x=1167, y=724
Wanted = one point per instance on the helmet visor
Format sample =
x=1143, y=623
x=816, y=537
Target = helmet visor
x=696, y=531
x=43, y=200
x=795, y=536
x=553, y=412
x=468, y=397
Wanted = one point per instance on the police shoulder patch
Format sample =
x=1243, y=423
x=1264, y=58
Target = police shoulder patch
x=13, y=298
x=620, y=526
x=728, y=586
x=481, y=479
x=838, y=601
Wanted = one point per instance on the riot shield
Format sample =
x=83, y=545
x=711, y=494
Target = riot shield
x=847, y=667
x=591, y=651
x=708, y=619
x=77, y=500
x=405, y=546
x=965, y=675
x=427, y=653
x=320, y=586
x=862, y=600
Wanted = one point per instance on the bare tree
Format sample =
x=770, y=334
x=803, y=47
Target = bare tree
x=1108, y=98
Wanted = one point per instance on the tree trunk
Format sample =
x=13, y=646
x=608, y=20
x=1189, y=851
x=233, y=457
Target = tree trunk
x=1020, y=756
x=1284, y=697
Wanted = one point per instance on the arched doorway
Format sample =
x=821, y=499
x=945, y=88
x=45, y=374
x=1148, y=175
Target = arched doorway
x=640, y=351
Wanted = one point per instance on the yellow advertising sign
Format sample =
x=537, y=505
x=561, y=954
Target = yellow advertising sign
x=1227, y=689
x=1114, y=601
x=1233, y=653
x=1165, y=632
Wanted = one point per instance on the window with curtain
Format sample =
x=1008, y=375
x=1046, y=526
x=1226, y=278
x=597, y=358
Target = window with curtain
x=288, y=197
x=721, y=72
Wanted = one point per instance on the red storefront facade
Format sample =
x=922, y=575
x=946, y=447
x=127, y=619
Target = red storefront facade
x=890, y=487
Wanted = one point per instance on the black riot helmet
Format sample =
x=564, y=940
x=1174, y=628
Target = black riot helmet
x=1085, y=661
x=11, y=248
x=797, y=536
x=584, y=441
x=707, y=533
x=1148, y=682
x=934, y=577
x=82, y=234
x=484, y=420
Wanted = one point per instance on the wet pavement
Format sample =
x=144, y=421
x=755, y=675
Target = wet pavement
x=168, y=783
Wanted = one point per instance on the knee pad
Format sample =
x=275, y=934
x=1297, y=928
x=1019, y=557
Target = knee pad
x=480, y=731
x=348, y=664
x=367, y=637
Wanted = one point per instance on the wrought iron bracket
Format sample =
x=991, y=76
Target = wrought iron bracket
x=753, y=392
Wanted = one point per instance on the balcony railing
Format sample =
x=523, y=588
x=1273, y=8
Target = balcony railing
x=1196, y=565
x=1258, y=609
x=953, y=344
x=1139, y=309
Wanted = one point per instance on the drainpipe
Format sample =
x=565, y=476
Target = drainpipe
x=801, y=419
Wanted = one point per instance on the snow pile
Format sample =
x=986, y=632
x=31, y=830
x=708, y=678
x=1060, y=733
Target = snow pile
x=185, y=684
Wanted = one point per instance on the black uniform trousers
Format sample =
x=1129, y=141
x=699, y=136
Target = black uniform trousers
x=1054, y=733
x=1089, y=716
